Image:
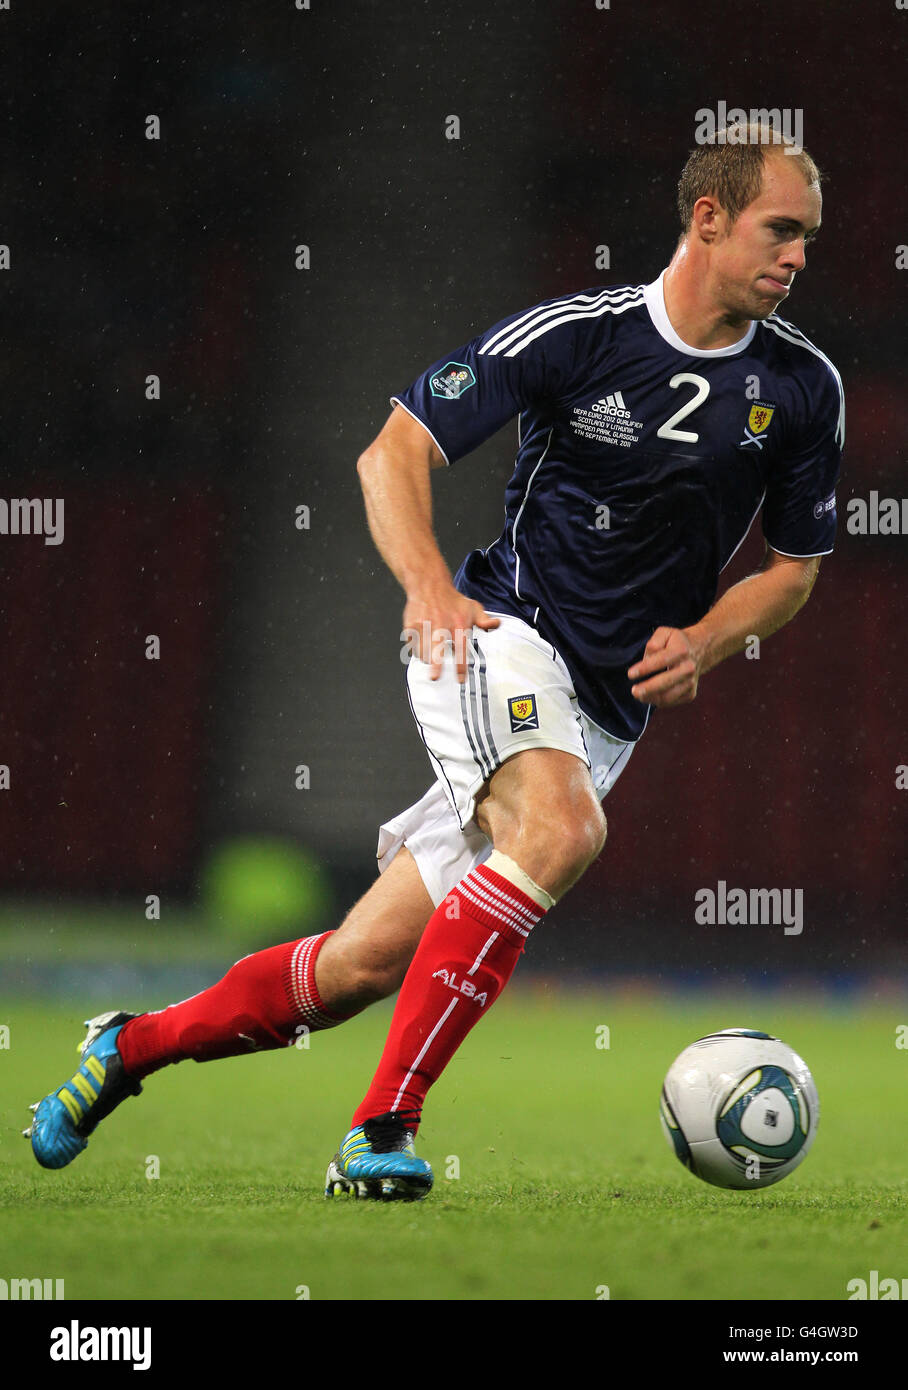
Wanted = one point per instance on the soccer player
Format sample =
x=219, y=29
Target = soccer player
x=655, y=422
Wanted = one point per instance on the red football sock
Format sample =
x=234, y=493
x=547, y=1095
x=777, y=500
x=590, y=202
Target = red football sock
x=466, y=956
x=266, y=1000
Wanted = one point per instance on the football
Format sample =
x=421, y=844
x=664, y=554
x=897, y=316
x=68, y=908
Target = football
x=739, y=1109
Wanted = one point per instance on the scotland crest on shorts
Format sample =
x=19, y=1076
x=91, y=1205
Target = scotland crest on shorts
x=451, y=382
x=522, y=709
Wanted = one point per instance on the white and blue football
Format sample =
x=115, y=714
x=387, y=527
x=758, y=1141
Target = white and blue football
x=739, y=1109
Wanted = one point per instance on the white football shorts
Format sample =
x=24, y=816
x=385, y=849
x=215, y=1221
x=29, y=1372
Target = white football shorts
x=518, y=694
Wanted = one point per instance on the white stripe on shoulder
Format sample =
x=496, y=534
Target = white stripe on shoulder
x=786, y=330
x=584, y=304
x=536, y=312
x=569, y=318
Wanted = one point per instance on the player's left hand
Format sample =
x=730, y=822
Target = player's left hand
x=669, y=670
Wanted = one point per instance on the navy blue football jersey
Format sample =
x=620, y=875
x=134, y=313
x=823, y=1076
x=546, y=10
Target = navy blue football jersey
x=641, y=464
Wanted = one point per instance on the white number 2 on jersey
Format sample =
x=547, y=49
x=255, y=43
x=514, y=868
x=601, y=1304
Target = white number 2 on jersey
x=668, y=430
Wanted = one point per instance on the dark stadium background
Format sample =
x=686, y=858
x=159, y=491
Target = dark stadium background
x=279, y=645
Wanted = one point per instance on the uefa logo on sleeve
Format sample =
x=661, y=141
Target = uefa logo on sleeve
x=451, y=382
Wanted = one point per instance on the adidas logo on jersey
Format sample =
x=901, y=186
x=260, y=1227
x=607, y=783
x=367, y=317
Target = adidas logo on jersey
x=612, y=405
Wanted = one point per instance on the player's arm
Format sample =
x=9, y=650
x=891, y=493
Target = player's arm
x=676, y=658
x=395, y=475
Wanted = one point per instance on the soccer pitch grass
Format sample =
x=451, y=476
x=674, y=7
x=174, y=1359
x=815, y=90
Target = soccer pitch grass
x=565, y=1186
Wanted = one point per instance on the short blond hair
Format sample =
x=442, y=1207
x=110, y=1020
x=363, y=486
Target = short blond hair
x=733, y=173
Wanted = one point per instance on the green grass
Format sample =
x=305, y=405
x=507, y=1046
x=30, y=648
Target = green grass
x=565, y=1185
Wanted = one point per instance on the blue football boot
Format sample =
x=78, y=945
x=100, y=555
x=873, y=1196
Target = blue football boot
x=64, y=1119
x=377, y=1160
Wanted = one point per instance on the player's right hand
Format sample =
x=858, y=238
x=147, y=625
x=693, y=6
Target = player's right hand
x=437, y=619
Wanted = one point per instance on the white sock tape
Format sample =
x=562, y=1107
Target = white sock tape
x=506, y=866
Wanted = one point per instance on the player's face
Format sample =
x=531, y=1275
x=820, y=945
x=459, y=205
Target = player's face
x=757, y=259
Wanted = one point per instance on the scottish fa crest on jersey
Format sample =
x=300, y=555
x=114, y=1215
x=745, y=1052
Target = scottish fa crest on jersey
x=759, y=417
x=758, y=422
x=451, y=382
x=522, y=709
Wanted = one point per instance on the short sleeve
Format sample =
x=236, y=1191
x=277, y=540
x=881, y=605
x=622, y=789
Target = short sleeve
x=467, y=395
x=799, y=511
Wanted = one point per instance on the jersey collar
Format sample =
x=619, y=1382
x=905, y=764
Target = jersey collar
x=654, y=298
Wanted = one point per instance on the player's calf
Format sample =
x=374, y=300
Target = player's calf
x=368, y=956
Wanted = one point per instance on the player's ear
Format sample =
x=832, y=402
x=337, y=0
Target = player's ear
x=706, y=217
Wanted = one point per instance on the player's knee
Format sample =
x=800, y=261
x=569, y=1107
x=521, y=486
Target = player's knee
x=580, y=839
x=558, y=846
